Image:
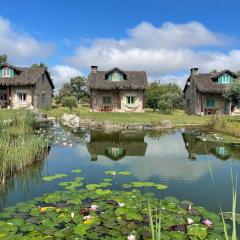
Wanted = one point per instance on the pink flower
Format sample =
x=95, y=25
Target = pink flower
x=94, y=207
x=208, y=222
x=131, y=237
x=121, y=204
x=87, y=217
x=190, y=221
x=64, y=144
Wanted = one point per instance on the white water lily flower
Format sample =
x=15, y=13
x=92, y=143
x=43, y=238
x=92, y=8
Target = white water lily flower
x=131, y=237
x=190, y=221
x=121, y=204
x=72, y=215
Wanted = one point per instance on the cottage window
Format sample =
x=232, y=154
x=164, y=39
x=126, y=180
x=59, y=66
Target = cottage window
x=210, y=102
x=43, y=97
x=115, y=76
x=6, y=72
x=130, y=100
x=106, y=100
x=22, y=97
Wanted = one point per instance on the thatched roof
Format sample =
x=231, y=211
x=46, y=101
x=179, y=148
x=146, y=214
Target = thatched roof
x=25, y=76
x=205, y=82
x=136, y=80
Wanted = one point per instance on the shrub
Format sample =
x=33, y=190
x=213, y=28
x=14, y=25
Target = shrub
x=69, y=102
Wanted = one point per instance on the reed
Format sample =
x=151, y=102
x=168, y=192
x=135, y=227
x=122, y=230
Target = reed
x=19, y=146
x=155, y=222
x=233, y=235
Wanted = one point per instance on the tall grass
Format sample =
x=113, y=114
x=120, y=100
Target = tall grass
x=234, y=204
x=227, y=125
x=19, y=146
x=155, y=222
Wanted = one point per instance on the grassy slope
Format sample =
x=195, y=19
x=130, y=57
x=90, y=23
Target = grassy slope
x=177, y=118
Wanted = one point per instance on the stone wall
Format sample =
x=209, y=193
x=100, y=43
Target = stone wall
x=43, y=93
x=74, y=121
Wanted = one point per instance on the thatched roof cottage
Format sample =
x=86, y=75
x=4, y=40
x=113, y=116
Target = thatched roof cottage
x=25, y=87
x=203, y=92
x=117, y=90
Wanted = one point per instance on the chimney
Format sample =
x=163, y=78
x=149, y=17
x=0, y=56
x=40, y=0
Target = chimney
x=94, y=69
x=194, y=71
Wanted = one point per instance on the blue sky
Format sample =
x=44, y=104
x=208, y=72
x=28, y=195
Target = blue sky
x=163, y=37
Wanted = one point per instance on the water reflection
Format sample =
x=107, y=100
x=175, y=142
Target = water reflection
x=116, y=145
x=195, y=147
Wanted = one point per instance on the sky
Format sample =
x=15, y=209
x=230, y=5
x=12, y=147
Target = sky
x=163, y=37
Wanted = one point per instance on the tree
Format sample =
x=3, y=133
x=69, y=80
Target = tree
x=165, y=97
x=232, y=93
x=76, y=87
x=41, y=64
x=69, y=102
x=3, y=58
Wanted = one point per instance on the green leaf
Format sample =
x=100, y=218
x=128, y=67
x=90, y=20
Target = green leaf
x=76, y=171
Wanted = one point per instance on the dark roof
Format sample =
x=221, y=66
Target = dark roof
x=205, y=82
x=25, y=76
x=136, y=80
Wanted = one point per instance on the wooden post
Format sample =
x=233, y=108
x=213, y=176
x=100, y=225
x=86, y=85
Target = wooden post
x=201, y=103
x=33, y=96
x=8, y=100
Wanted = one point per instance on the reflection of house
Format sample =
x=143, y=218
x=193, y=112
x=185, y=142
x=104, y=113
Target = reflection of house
x=116, y=145
x=196, y=146
x=117, y=90
x=25, y=87
x=203, y=92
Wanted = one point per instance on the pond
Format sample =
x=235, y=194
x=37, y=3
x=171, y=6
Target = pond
x=178, y=158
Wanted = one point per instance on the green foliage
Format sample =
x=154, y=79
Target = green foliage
x=69, y=214
x=76, y=87
x=69, y=102
x=3, y=58
x=232, y=93
x=41, y=64
x=17, y=132
x=166, y=97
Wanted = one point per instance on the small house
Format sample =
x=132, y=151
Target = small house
x=117, y=90
x=25, y=87
x=203, y=92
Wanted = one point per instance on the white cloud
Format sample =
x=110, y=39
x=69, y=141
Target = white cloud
x=20, y=46
x=160, y=51
x=62, y=74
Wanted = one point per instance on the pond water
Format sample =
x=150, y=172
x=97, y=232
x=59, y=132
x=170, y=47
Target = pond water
x=179, y=159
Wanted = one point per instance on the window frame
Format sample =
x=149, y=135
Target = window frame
x=21, y=99
x=210, y=102
x=6, y=72
x=131, y=100
x=108, y=102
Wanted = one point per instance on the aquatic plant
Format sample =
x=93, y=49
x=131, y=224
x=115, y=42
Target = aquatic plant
x=233, y=215
x=19, y=146
x=99, y=212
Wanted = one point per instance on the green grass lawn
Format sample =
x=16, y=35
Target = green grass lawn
x=177, y=118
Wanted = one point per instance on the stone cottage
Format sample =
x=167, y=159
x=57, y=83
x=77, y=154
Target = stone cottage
x=203, y=92
x=25, y=87
x=117, y=90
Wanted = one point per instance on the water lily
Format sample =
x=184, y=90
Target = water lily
x=94, y=207
x=131, y=237
x=190, y=207
x=121, y=204
x=87, y=217
x=64, y=144
x=72, y=215
x=190, y=221
x=208, y=222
